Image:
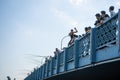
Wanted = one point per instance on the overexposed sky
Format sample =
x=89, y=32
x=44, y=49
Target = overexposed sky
x=30, y=28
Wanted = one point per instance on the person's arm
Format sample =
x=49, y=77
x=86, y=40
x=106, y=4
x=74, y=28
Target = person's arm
x=75, y=30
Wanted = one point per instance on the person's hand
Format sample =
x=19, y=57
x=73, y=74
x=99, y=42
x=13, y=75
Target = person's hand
x=75, y=28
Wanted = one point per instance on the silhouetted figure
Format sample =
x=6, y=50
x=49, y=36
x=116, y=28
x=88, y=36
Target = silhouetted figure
x=87, y=29
x=99, y=20
x=111, y=10
x=8, y=77
x=104, y=16
x=73, y=36
x=46, y=59
x=56, y=52
x=50, y=57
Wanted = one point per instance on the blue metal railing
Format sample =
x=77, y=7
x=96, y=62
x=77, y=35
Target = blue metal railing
x=101, y=44
x=70, y=52
x=106, y=33
x=54, y=65
x=61, y=62
x=84, y=45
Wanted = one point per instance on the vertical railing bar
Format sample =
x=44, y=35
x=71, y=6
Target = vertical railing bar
x=57, y=64
x=51, y=66
x=93, y=44
x=119, y=30
x=65, y=60
x=76, y=54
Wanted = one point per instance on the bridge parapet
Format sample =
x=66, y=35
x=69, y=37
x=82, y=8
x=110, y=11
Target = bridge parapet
x=101, y=44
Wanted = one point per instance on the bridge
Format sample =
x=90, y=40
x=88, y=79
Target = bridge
x=93, y=56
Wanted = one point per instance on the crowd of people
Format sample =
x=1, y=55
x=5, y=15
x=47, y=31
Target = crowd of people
x=100, y=19
x=102, y=16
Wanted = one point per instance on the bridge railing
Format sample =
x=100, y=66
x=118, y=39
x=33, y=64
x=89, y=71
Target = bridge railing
x=83, y=51
x=101, y=44
x=61, y=61
x=69, y=57
x=104, y=45
x=54, y=65
x=107, y=32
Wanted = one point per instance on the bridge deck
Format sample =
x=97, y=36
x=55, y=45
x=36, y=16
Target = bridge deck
x=99, y=71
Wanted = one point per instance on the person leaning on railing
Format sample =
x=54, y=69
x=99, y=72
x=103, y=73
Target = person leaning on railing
x=99, y=20
x=87, y=29
x=104, y=16
x=57, y=51
x=111, y=10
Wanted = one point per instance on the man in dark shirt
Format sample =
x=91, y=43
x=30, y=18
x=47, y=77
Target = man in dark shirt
x=99, y=20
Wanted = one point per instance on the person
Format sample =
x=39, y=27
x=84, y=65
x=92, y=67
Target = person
x=57, y=51
x=8, y=77
x=73, y=36
x=46, y=59
x=87, y=29
x=99, y=20
x=104, y=16
x=111, y=10
x=14, y=78
x=50, y=57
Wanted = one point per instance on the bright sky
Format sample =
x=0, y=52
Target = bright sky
x=36, y=27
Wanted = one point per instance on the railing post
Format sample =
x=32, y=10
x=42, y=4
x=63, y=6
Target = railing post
x=46, y=69
x=43, y=71
x=57, y=68
x=76, y=48
x=39, y=73
x=119, y=29
x=51, y=66
x=93, y=44
x=65, y=60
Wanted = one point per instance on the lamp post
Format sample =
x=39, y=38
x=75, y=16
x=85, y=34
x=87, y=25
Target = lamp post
x=62, y=40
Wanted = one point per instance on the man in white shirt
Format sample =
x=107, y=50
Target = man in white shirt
x=111, y=10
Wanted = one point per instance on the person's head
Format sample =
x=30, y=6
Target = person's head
x=103, y=13
x=107, y=16
x=56, y=49
x=111, y=8
x=8, y=77
x=89, y=28
x=98, y=16
x=71, y=30
x=86, y=29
